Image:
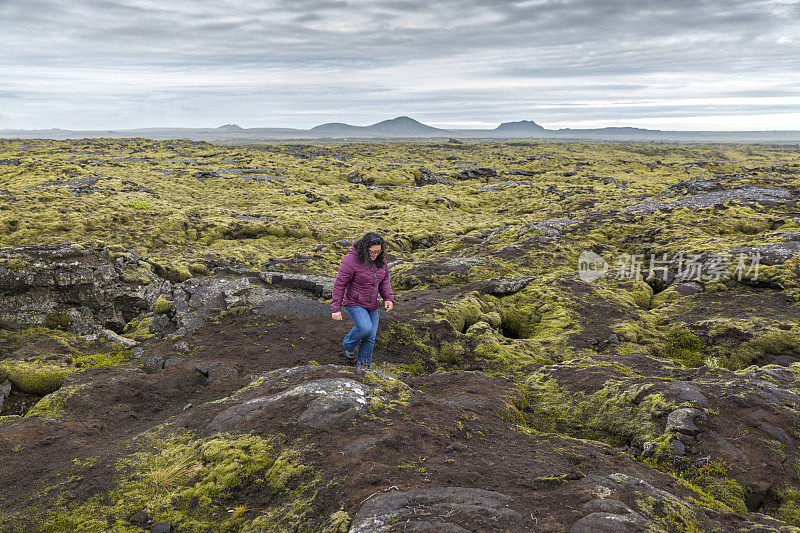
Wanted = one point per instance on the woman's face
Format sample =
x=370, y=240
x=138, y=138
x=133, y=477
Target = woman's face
x=374, y=251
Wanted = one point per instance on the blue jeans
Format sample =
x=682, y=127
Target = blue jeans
x=364, y=331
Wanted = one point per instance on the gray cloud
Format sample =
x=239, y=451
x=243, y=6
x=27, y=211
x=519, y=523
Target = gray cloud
x=125, y=63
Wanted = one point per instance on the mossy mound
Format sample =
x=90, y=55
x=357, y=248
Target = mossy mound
x=34, y=378
x=618, y=412
x=38, y=359
x=194, y=482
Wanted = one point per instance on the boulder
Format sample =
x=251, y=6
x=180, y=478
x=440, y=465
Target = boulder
x=161, y=527
x=153, y=364
x=357, y=177
x=453, y=509
x=328, y=401
x=609, y=522
x=139, y=518
x=462, y=264
x=117, y=339
x=506, y=286
x=217, y=370
x=423, y=176
x=692, y=186
x=682, y=420
x=181, y=347
x=476, y=174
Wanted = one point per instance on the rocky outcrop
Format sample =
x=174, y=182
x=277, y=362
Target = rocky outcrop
x=506, y=286
x=552, y=227
x=74, y=288
x=750, y=196
x=316, y=396
x=443, y=509
x=358, y=178
x=769, y=254
x=423, y=176
x=480, y=173
x=94, y=291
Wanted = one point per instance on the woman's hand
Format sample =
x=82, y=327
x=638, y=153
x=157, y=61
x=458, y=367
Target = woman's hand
x=336, y=316
x=388, y=304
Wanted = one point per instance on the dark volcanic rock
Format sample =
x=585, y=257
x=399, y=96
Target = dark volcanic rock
x=552, y=227
x=768, y=196
x=454, y=509
x=476, y=174
x=692, y=186
x=683, y=420
x=161, y=527
x=504, y=287
x=769, y=254
x=217, y=370
x=423, y=176
x=5, y=390
x=357, y=177
x=75, y=288
x=328, y=401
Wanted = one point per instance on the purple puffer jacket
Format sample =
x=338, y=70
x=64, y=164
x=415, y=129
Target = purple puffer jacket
x=359, y=284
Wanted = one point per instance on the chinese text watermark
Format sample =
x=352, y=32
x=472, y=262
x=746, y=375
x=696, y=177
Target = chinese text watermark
x=680, y=267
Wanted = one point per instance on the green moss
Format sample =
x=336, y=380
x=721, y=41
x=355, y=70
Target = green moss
x=789, y=508
x=34, y=377
x=138, y=204
x=682, y=344
x=141, y=274
x=139, y=327
x=116, y=356
x=15, y=264
x=728, y=492
x=740, y=342
x=609, y=415
x=642, y=294
x=463, y=313
x=387, y=392
x=53, y=405
x=198, y=269
x=669, y=294
x=506, y=355
x=162, y=305
x=450, y=353
x=191, y=481
x=58, y=320
x=339, y=522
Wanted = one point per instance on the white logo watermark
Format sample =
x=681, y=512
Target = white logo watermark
x=689, y=267
x=591, y=266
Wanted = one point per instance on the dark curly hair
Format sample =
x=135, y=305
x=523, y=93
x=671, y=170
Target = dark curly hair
x=362, y=247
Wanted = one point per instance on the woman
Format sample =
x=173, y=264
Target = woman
x=363, y=273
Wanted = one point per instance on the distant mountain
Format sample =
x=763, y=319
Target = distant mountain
x=522, y=126
x=396, y=127
x=611, y=129
x=337, y=129
x=407, y=127
x=404, y=127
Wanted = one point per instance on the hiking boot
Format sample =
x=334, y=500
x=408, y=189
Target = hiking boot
x=360, y=368
x=350, y=355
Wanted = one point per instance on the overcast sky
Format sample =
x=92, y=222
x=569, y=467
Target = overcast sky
x=666, y=64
